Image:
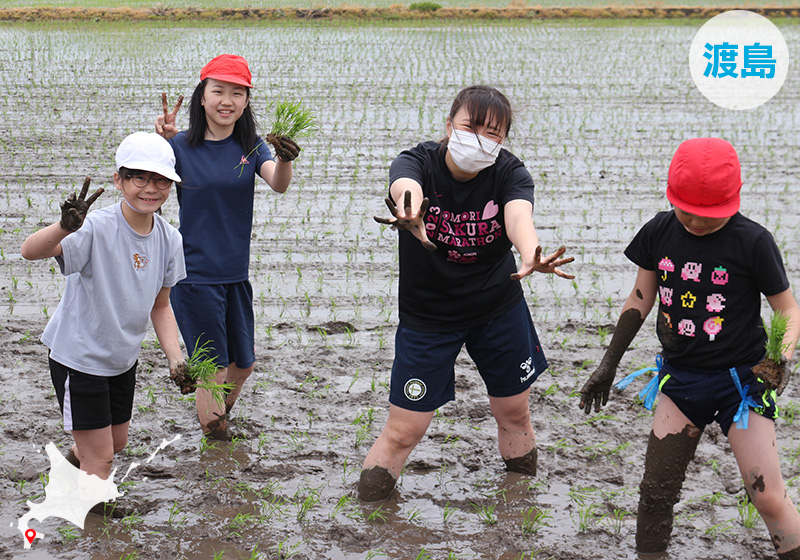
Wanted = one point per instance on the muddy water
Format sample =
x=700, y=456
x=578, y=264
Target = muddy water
x=600, y=110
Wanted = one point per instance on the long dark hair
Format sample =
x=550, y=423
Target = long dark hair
x=244, y=131
x=483, y=103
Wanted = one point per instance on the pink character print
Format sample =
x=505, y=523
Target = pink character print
x=686, y=327
x=665, y=265
x=691, y=271
x=714, y=303
x=666, y=295
x=719, y=276
x=712, y=326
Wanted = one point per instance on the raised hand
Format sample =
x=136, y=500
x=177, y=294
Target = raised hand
x=549, y=265
x=409, y=220
x=165, y=124
x=285, y=148
x=74, y=209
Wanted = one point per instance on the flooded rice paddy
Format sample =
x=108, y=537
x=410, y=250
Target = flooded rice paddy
x=600, y=109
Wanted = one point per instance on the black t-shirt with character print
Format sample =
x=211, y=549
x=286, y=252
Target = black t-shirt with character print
x=709, y=288
x=466, y=281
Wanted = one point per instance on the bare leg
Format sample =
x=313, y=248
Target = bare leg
x=673, y=441
x=515, y=435
x=237, y=376
x=211, y=411
x=95, y=450
x=756, y=453
x=403, y=431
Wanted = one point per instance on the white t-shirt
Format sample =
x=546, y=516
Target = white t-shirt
x=113, y=277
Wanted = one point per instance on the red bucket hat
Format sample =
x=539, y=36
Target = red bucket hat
x=228, y=68
x=705, y=178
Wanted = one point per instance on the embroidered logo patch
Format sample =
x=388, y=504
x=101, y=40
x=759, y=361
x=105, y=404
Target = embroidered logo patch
x=414, y=389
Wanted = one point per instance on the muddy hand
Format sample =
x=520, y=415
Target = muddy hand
x=165, y=123
x=180, y=376
x=408, y=220
x=549, y=265
x=773, y=375
x=74, y=209
x=595, y=390
x=285, y=148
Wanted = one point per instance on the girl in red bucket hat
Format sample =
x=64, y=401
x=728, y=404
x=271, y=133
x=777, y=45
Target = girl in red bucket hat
x=708, y=265
x=218, y=158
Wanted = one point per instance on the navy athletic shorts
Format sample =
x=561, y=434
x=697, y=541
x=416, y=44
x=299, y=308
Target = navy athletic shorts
x=705, y=396
x=506, y=351
x=219, y=316
x=90, y=402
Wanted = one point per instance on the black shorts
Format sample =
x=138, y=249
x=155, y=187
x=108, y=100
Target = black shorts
x=90, y=402
x=506, y=351
x=706, y=396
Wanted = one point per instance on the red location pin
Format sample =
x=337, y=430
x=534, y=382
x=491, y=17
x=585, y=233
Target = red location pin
x=30, y=534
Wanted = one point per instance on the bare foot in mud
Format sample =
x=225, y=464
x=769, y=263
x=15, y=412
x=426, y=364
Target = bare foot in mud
x=218, y=429
x=376, y=484
x=525, y=464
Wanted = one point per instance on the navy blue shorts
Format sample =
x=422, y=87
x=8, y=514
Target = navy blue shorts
x=506, y=351
x=90, y=402
x=219, y=315
x=705, y=396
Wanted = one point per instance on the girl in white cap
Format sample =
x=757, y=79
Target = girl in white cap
x=120, y=263
x=708, y=265
x=218, y=158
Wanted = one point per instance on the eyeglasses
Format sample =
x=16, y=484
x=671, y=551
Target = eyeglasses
x=140, y=181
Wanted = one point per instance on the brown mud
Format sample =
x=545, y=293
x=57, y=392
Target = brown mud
x=597, y=137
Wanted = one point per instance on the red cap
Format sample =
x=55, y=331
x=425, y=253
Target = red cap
x=705, y=179
x=228, y=68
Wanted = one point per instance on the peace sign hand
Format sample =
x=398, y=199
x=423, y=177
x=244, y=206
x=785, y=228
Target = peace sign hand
x=165, y=124
x=73, y=210
x=548, y=265
x=408, y=220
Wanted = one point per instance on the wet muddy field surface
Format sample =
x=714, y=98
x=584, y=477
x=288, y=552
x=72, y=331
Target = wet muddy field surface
x=600, y=110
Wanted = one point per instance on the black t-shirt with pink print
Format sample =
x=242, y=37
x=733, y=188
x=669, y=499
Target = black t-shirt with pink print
x=709, y=288
x=466, y=281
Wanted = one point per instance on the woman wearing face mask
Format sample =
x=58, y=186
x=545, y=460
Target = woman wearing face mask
x=460, y=205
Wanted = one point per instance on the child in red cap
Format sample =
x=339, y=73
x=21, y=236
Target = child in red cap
x=708, y=265
x=218, y=158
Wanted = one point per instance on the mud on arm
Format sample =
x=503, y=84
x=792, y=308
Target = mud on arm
x=637, y=306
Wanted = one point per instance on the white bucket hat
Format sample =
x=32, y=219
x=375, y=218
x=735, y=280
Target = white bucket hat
x=147, y=151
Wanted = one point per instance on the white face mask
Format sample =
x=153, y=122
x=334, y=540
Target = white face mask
x=470, y=152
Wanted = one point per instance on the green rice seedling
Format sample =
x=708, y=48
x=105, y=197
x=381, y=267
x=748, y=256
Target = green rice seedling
x=587, y=516
x=534, y=519
x=374, y=554
x=423, y=555
x=304, y=507
x=414, y=514
x=379, y=515
x=615, y=519
x=486, y=514
x=292, y=120
x=68, y=533
x=789, y=412
x=776, y=330
x=128, y=523
x=343, y=502
x=176, y=517
x=725, y=527
x=202, y=369
x=748, y=512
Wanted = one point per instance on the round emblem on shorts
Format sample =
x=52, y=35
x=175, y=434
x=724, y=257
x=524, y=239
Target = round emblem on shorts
x=415, y=389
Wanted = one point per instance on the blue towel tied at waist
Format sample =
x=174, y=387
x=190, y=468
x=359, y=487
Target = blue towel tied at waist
x=650, y=391
x=743, y=414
